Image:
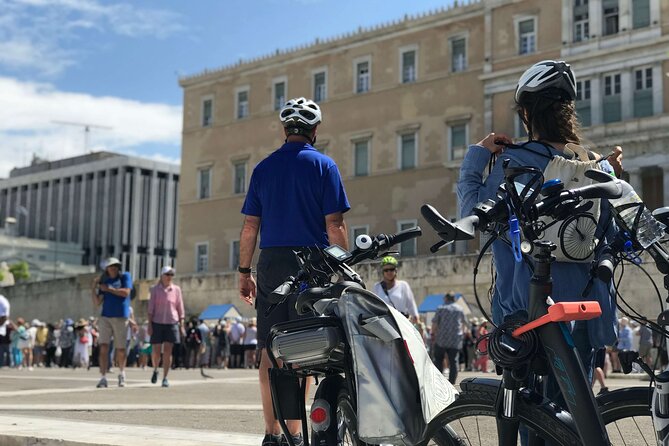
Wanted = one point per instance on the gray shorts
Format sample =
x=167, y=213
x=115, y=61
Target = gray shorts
x=164, y=333
x=116, y=327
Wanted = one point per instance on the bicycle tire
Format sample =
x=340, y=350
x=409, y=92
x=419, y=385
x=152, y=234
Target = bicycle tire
x=479, y=398
x=628, y=408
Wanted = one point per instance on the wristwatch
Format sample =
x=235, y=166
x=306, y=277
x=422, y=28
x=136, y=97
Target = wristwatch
x=244, y=270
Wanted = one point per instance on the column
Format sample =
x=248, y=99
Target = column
x=49, y=206
x=626, y=94
x=635, y=179
x=170, y=219
x=487, y=40
x=94, y=218
x=119, y=205
x=33, y=218
x=59, y=210
x=83, y=211
x=658, y=98
x=624, y=15
x=665, y=184
x=104, y=224
x=18, y=214
x=596, y=100
x=125, y=227
x=70, y=210
x=595, y=17
x=567, y=21
x=134, y=225
x=487, y=113
x=153, y=224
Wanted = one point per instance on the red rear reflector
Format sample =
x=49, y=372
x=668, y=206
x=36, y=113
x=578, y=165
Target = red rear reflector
x=318, y=415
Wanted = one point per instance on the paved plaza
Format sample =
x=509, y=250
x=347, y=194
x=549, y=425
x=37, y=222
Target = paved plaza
x=63, y=407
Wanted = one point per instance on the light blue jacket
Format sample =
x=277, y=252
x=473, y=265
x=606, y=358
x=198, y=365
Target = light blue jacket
x=511, y=285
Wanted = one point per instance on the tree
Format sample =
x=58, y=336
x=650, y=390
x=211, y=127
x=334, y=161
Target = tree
x=20, y=270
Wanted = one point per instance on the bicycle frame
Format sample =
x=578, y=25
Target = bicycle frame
x=564, y=361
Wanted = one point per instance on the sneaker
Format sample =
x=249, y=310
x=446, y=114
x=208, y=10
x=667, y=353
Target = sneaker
x=154, y=377
x=603, y=390
x=272, y=440
x=102, y=382
x=166, y=383
x=121, y=380
x=297, y=439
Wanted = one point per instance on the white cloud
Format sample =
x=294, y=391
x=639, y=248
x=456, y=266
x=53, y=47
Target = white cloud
x=35, y=34
x=29, y=109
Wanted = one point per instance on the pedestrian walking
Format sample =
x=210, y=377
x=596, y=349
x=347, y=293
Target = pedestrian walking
x=112, y=290
x=296, y=199
x=250, y=344
x=166, y=322
x=236, y=336
x=66, y=342
x=396, y=293
x=193, y=342
x=6, y=328
x=645, y=344
x=447, y=333
x=82, y=342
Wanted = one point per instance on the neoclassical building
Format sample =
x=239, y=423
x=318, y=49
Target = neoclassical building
x=402, y=100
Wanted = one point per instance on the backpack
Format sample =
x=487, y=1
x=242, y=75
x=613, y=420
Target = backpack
x=574, y=236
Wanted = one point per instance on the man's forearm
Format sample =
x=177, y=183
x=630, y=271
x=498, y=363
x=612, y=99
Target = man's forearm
x=247, y=241
x=336, y=229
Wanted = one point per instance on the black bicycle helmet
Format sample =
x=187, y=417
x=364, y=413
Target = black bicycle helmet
x=549, y=76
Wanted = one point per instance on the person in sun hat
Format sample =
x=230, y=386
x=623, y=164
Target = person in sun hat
x=111, y=290
x=397, y=293
x=166, y=322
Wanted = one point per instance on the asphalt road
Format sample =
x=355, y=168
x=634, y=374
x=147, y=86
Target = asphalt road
x=222, y=410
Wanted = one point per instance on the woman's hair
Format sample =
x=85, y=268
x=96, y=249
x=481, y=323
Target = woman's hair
x=550, y=116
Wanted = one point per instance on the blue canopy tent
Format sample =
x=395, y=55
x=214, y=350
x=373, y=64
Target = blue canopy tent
x=225, y=311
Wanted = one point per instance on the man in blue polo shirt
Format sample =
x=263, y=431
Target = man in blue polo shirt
x=112, y=291
x=296, y=199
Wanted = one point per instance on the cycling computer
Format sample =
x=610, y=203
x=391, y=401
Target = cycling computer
x=338, y=253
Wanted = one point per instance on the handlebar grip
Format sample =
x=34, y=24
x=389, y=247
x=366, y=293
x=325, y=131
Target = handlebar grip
x=437, y=246
x=605, y=267
x=405, y=235
x=282, y=291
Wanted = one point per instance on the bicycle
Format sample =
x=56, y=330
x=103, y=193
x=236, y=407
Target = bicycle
x=370, y=360
x=518, y=347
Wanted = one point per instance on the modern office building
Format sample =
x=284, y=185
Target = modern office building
x=402, y=100
x=107, y=203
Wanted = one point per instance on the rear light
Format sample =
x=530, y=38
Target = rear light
x=320, y=415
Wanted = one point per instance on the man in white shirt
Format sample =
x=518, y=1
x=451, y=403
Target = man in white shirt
x=396, y=293
x=236, y=336
x=4, y=310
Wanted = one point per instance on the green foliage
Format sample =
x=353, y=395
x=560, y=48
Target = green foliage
x=20, y=270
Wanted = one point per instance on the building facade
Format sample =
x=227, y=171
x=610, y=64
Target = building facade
x=106, y=203
x=401, y=101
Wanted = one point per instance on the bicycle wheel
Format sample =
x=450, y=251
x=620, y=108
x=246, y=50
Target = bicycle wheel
x=471, y=419
x=343, y=427
x=627, y=416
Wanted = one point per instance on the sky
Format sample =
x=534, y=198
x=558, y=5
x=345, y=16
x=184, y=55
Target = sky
x=115, y=65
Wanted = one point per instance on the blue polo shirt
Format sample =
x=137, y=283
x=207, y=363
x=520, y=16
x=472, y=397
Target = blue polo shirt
x=113, y=305
x=292, y=191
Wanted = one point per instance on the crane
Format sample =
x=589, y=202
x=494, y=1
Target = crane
x=87, y=129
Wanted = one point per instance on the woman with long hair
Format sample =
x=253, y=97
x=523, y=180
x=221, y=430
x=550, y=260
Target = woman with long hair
x=545, y=102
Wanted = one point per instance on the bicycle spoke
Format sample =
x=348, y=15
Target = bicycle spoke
x=640, y=432
x=622, y=437
x=478, y=429
x=465, y=432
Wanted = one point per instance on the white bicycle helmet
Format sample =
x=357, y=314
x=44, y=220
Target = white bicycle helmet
x=300, y=112
x=547, y=74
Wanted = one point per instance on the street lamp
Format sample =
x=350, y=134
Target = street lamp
x=52, y=229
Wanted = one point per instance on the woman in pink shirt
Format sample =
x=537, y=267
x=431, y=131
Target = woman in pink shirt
x=166, y=321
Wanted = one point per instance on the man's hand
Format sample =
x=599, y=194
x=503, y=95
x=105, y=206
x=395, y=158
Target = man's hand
x=182, y=331
x=615, y=159
x=105, y=288
x=247, y=288
x=495, y=142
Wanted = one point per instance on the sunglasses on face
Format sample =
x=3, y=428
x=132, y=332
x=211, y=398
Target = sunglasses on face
x=389, y=270
x=169, y=274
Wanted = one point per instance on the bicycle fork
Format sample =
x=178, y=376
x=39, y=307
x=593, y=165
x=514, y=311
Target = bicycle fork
x=507, y=421
x=660, y=408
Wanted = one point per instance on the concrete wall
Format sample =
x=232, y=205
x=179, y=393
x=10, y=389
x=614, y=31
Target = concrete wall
x=53, y=300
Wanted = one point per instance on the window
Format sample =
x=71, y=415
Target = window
x=408, y=66
x=242, y=104
x=408, y=152
x=279, y=94
x=234, y=254
x=643, y=92
x=610, y=17
x=458, y=54
x=355, y=232
x=526, y=36
x=612, y=103
x=240, y=177
x=581, y=20
x=408, y=248
x=640, y=13
x=320, y=86
x=361, y=158
x=362, y=77
x=204, y=183
x=583, y=103
x=202, y=257
x=207, y=112
x=457, y=137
